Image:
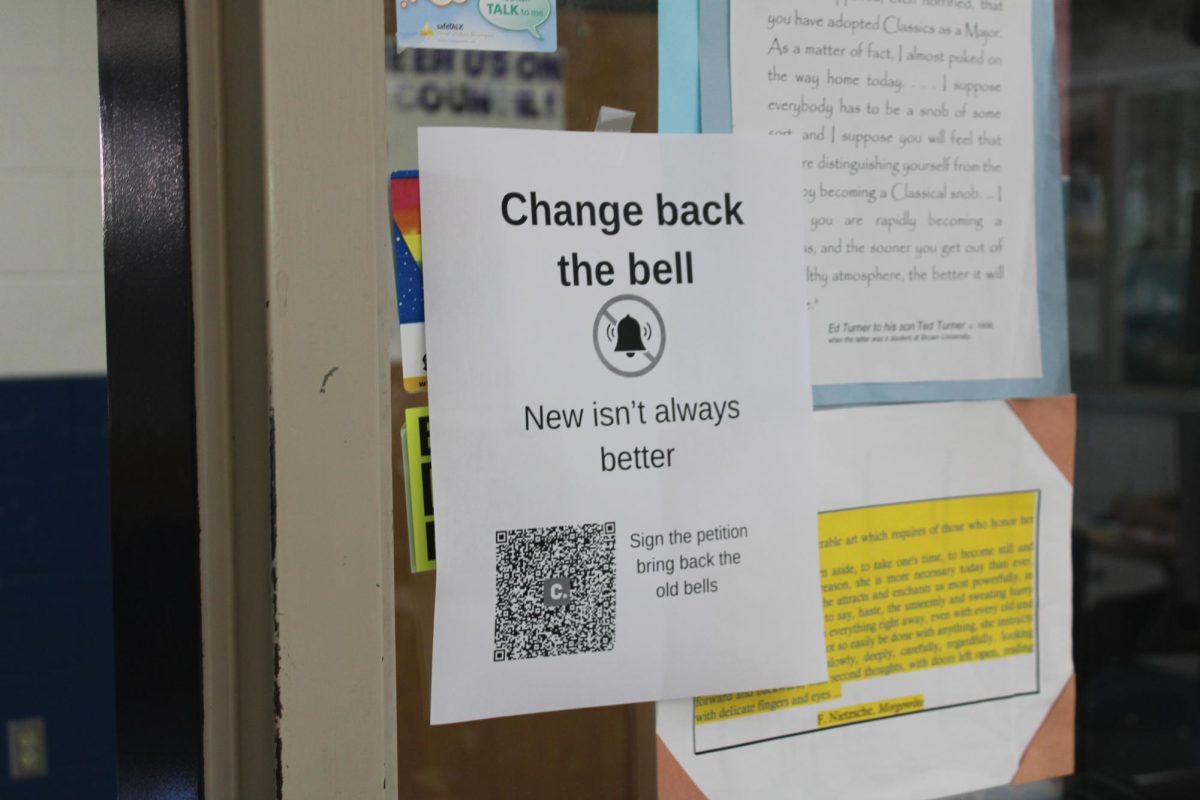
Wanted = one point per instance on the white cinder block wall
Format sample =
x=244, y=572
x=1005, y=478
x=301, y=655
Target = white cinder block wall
x=51, y=261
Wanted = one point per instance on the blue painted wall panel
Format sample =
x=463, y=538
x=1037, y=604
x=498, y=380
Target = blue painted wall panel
x=56, y=645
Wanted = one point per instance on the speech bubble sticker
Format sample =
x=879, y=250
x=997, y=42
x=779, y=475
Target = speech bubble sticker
x=516, y=15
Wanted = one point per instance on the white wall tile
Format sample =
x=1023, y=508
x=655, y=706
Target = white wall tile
x=35, y=222
x=86, y=214
x=79, y=35
x=51, y=259
x=51, y=325
x=31, y=33
x=48, y=122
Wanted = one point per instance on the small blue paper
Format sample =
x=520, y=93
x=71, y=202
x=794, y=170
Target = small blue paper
x=679, y=66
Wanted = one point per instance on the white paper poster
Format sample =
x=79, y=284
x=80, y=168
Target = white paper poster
x=916, y=126
x=621, y=405
x=946, y=573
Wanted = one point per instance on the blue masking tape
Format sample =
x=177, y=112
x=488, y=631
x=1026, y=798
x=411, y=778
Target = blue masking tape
x=679, y=66
x=716, y=114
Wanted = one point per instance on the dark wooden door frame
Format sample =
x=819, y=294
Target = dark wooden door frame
x=148, y=298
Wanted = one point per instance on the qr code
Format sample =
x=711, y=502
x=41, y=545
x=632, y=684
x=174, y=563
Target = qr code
x=555, y=591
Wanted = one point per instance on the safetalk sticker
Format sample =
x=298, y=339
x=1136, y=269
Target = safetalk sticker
x=529, y=25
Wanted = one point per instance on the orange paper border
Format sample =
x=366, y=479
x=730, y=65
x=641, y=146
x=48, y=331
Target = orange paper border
x=1051, y=752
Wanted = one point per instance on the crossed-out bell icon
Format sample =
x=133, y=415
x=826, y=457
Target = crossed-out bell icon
x=629, y=337
x=629, y=324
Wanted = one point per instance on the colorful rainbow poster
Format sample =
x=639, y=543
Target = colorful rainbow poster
x=405, y=201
